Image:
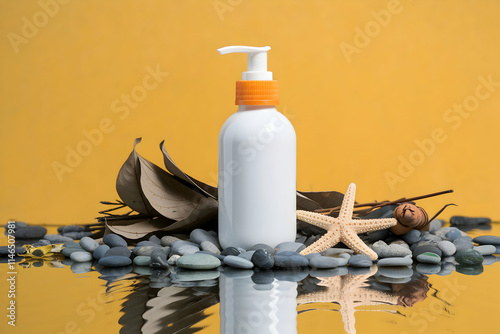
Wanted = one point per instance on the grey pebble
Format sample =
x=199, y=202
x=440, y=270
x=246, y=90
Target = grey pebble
x=77, y=235
x=360, y=261
x=41, y=242
x=262, y=246
x=247, y=255
x=114, y=240
x=335, y=251
x=395, y=262
x=431, y=238
x=155, y=239
x=147, y=243
x=231, y=251
x=424, y=247
x=447, y=247
x=487, y=240
x=168, y=240
x=30, y=232
x=412, y=237
x=88, y=244
x=56, y=238
x=464, y=221
x=183, y=247
x=485, y=249
x=198, y=262
x=199, y=235
x=429, y=257
x=453, y=234
x=145, y=250
x=118, y=251
x=72, y=228
x=220, y=257
x=142, y=260
x=14, y=225
x=67, y=250
x=289, y=246
x=236, y=262
x=209, y=247
x=435, y=225
x=393, y=250
x=346, y=256
x=100, y=251
x=326, y=262
x=290, y=260
x=159, y=259
x=463, y=243
x=263, y=259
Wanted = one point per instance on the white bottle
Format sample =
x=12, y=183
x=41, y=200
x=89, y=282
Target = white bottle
x=257, y=162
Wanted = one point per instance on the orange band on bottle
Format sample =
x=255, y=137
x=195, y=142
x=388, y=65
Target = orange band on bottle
x=257, y=92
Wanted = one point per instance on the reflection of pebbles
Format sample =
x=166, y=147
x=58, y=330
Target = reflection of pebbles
x=489, y=259
x=428, y=268
x=291, y=275
x=112, y=274
x=341, y=271
x=81, y=267
x=394, y=274
x=446, y=268
x=470, y=270
x=183, y=275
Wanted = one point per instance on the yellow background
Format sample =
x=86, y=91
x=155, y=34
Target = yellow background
x=353, y=118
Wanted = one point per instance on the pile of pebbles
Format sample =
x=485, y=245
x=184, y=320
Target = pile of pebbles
x=441, y=251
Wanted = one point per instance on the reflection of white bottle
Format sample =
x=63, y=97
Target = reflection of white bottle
x=257, y=309
x=257, y=162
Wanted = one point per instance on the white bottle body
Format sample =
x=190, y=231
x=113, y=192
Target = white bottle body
x=257, y=178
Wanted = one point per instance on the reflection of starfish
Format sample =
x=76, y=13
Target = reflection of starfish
x=348, y=291
x=344, y=228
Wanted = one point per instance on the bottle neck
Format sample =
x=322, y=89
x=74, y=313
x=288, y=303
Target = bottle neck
x=257, y=107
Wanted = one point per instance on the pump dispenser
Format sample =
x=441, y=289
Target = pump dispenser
x=257, y=161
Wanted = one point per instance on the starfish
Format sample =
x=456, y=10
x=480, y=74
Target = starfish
x=349, y=291
x=344, y=228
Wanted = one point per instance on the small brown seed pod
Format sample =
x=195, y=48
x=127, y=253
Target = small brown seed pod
x=410, y=217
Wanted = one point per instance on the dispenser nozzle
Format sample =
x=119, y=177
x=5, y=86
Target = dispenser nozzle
x=256, y=62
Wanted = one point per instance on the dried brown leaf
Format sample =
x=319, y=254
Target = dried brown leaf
x=128, y=185
x=206, y=189
x=165, y=193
